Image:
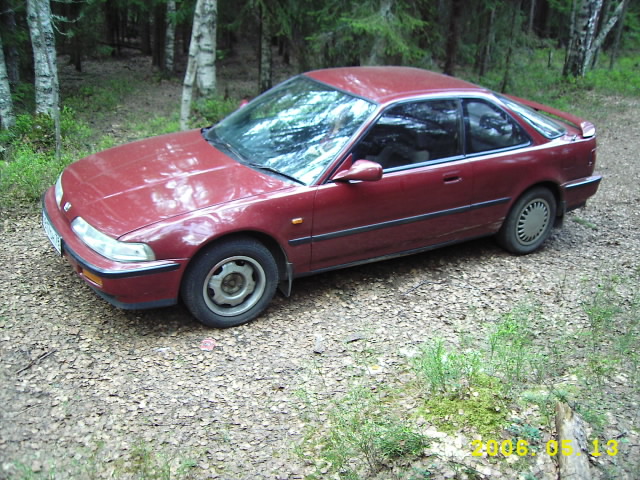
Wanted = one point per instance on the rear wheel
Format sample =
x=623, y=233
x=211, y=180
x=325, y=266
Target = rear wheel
x=230, y=283
x=529, y=222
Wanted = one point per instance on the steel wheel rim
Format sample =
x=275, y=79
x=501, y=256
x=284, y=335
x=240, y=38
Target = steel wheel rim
x=234, y=285
x=533, y=221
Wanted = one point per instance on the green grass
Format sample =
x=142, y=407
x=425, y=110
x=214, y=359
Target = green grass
x=537, y=75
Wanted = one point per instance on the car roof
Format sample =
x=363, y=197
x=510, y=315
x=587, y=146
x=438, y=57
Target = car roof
x=385, y=84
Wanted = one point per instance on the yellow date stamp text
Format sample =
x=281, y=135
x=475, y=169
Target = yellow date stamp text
x=522, y=448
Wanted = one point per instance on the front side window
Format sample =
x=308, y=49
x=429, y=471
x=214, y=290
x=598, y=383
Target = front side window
x=413, y=133
x=488, y=128
x=296, y=129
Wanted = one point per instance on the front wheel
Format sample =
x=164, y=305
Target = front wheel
x=230, y=283
x=529, y=222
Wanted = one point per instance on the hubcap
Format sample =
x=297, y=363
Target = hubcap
x=533, y=221
x=234, y=285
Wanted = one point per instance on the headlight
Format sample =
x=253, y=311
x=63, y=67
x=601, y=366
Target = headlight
x=110, y=247
x=58, y=190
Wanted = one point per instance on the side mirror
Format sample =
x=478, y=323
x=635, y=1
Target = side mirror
x=361, y=170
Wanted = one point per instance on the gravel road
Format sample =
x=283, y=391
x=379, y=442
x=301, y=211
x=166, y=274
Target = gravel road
x=85, y=384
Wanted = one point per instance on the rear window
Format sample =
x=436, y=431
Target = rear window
x=543, y=124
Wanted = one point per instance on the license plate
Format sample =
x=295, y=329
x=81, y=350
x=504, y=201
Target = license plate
x=54, y=238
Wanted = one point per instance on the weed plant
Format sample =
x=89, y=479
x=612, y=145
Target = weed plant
x=363, y=436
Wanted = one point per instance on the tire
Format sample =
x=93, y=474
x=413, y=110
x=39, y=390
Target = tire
x=529, y=222
x=230, y=283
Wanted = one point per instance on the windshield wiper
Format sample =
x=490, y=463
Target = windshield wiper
x=212, y=136
x=276, y=171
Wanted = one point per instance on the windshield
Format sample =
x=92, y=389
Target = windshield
x=543, y=124
x=296, y=129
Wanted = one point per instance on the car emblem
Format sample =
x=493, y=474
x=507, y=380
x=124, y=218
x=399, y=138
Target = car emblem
x=67, y=207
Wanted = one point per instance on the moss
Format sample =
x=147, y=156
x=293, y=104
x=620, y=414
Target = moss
x=483, y=408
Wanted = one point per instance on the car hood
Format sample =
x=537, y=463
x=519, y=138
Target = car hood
x=127, y=187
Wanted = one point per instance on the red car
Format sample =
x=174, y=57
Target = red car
x=330, y=169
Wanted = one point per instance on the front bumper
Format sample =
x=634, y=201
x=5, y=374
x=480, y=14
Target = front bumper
x=126, y=285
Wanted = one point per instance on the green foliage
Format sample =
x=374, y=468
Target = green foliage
x=208, y=111
x=511, y=350
x=367, y=33
x=28, y=162
x=622, y=80
x=537, y=75
x=28, y=174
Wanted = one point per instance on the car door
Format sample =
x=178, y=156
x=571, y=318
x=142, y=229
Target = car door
x=422, y=198
x=496, y=146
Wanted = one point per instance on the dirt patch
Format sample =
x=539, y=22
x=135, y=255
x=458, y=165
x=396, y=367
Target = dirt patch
x=88, y=389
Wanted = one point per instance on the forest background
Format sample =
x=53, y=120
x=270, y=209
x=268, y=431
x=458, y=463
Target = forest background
x=548, y=50
x=581, y=56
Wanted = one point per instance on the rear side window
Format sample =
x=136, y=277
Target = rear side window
x=488, y=128
x=543, y=124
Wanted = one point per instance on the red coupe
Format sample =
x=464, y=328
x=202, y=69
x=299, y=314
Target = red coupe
x=330, y=169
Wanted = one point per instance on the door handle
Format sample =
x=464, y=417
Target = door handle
x=452, y=177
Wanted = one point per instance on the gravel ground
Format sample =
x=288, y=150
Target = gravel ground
x=84, y=384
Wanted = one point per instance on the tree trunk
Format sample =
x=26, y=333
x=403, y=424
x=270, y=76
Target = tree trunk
x=144, y=24
x=44, y=60
x=616, y=42
x=265, y=68
x=73, y=33
x=206, y=74
x=201, y=64
x=486, y=45
x=453, y=37
x=583, y=33
x=532, y=14
x=159, y=32
x=12, y=59
x=512, y=40
x=170, y=36
x=570, y=431
x=112, y=16
x=607, y=26
x=377, y=56
x=7, y=117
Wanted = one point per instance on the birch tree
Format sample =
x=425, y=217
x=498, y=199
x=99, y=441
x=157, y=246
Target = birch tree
x=585, y=40
x=44, y=60
x=7, y=117
x=201, y=67
x=170, y=36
